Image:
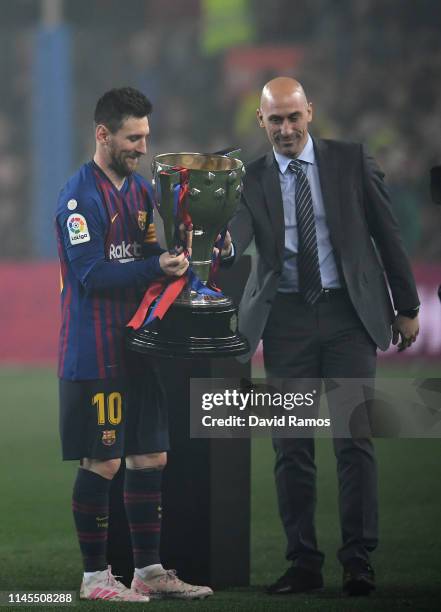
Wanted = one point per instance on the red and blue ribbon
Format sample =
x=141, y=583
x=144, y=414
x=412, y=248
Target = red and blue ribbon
x=163, y=292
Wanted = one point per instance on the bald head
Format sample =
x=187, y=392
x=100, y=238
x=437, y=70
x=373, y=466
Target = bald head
x=280, y=88
x=285, y=114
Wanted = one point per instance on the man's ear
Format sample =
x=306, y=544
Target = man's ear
x=102, y=134
x=259, y=118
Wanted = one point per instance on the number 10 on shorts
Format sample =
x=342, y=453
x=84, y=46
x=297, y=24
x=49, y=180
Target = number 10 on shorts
x=113, y=404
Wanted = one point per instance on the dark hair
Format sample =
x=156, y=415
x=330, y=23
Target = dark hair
x=116, y=105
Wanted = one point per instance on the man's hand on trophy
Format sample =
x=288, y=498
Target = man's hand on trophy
x=186, y=237
x=227, y=247
x=174, y=264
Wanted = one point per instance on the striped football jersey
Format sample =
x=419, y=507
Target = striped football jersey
x=108, y=254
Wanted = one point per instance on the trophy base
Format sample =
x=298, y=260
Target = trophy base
x=203, y=329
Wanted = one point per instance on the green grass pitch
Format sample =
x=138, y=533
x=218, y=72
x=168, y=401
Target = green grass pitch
x=38, y=549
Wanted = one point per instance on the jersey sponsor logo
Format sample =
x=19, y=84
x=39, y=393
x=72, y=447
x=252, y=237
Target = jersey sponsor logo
x=125, y=251
x=142, y=219
x=78, y=231
x=108, y=437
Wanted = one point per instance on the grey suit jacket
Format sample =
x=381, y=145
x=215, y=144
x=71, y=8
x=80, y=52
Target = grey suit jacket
x=363, y=230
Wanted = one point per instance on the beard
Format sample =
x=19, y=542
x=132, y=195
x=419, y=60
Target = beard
x=118, y=163
x=291, y=146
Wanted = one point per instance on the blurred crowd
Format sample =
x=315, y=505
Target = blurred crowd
x=370, y=67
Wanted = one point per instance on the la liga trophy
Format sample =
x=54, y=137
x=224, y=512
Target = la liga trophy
x=196, y=195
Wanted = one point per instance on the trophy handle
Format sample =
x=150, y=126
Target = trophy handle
x=165, y=184
x=229, y=152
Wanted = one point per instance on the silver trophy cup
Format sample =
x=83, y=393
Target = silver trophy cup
x=196, y=195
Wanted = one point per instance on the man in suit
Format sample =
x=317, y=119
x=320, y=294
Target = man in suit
x=325, y=237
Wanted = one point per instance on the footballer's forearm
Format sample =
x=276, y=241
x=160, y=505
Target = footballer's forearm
x=113, y=275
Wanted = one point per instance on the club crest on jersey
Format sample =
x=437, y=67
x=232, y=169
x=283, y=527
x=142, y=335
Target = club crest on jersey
x=78, y=230
x=142, y=219
x=109, y=437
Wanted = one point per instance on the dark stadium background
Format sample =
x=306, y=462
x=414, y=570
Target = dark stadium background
x=372, y=70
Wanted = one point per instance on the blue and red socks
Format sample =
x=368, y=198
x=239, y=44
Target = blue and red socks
x=142, y=500
x=90, y=506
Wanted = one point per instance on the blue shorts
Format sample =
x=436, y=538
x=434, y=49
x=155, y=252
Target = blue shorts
x=113, y=418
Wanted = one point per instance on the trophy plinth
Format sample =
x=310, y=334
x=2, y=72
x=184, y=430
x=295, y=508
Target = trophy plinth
x=195, y=194
x=193, y=329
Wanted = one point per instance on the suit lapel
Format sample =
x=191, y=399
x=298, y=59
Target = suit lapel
x=273, y=201
x=329, y=172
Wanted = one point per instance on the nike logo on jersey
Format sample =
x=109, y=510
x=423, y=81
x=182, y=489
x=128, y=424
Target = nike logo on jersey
x=114, y=217
x=125, y=251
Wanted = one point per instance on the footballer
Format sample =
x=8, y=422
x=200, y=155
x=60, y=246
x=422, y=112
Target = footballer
x=110, y=407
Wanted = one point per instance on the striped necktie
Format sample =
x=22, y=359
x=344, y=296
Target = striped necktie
x=310, y=283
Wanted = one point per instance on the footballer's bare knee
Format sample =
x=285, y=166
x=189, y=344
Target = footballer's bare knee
x=106, y=469
x=153, y=461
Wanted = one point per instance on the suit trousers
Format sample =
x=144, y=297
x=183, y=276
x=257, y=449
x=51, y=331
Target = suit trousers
x=323, y=341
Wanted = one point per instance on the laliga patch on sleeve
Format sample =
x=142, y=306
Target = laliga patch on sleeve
x=78, y=231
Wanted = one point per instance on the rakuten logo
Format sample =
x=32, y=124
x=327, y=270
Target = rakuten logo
x=125, y=252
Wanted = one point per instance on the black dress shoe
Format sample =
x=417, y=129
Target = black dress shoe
x=358, y=578
x=296, y=580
